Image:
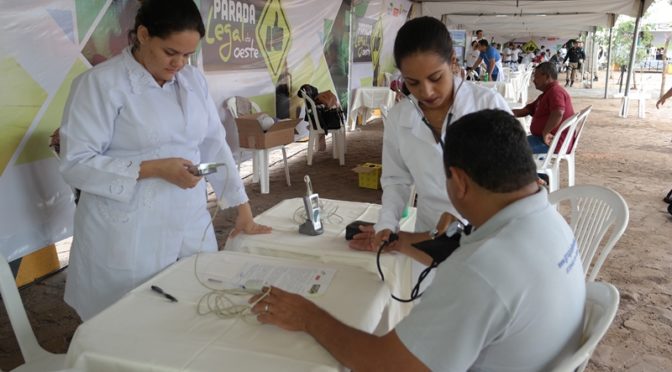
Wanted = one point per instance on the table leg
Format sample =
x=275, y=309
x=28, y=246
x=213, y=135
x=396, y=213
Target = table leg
x=263, y=171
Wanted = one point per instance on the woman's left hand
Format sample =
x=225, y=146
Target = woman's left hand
x=245, y=223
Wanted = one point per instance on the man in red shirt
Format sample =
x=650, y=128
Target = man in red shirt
x=548, y=111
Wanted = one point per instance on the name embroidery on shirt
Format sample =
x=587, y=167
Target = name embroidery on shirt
x=569, y=258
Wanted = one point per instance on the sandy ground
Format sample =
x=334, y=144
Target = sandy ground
x=632, y=156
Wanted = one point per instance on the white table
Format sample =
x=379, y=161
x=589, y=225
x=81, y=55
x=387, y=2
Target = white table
x=145, y=332
x=505, y=88
x=331, y=246
x=370, y=98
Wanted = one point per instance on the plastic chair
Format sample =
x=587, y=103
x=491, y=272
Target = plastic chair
x=595, y=210
x=36, y=358
x=337, y=135
x=259, y=156
x=569, y=156
x=549, y=163
x=601, y=305
x=525, y=87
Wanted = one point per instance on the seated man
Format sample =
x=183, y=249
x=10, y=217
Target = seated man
x=511, y=297
x=548, y=111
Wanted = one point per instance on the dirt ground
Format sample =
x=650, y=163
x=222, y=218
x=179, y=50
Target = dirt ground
x=632, y=156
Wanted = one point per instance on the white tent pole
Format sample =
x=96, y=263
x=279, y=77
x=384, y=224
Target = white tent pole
x=606, y=78
x=633, y=52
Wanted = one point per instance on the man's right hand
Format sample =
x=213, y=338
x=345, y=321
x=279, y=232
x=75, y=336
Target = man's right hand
x=363, y=241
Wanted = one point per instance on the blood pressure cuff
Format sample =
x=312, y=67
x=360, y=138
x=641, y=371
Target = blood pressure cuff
x=441, y=247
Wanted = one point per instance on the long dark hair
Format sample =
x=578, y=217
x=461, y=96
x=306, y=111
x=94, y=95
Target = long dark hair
x=163, y=17
x=423, y=34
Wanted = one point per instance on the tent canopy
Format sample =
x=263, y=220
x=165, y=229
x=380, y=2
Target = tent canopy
x=520, y=18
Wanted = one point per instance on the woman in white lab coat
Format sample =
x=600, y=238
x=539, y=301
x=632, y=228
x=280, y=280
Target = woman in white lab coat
x=412, y=148
x=132, y=127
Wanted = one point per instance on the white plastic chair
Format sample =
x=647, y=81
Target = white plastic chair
x=36, y=359
x=549, y=163
x=525, y=86
x=337, y=135
x=569, y=157
x=260, y=162
x=595, y=210
x=601, y=305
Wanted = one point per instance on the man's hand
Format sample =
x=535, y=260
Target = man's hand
x=660, y=102
x=548, y=138
x=286, y=310
x=363, y=241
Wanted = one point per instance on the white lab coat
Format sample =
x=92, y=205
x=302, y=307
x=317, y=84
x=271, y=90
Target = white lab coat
x=127, y=230
x=412, y=156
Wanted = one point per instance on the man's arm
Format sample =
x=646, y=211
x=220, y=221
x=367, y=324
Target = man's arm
x=554, y=120
x=354, y=349
x=519, y=113
x=491, y=66
x=663, y=98
x=477, y=63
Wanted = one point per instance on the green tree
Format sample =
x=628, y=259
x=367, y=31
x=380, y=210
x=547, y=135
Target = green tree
x=622, y=42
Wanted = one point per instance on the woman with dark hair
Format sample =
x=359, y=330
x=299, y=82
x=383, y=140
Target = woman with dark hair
x=412, y=148
x=133, y=129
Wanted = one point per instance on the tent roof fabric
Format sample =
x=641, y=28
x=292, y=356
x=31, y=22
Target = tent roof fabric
x=515, y=18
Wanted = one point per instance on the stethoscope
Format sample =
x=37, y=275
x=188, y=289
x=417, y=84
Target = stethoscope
x=449, y=119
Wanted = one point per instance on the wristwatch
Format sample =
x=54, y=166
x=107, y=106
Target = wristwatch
x=433, y=233
x=454, y=228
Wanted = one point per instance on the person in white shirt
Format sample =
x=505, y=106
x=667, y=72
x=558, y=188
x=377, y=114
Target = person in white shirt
x=515, y=51
x=411, y=140
x=507, y=55
x=472, y=57
x=510, y=298
x=132, y=129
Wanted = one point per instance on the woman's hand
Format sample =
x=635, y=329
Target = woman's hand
x=444, y=221
x=245, y=223
x=173, y=170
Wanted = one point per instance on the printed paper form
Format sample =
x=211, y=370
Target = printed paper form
x=305, y=281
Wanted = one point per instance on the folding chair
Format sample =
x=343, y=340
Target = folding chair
x=601, y=305
x=595, y=210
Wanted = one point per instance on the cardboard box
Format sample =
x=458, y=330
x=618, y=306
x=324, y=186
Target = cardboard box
x=369, y=175
x=251, y=136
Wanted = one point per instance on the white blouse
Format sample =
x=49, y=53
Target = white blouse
x=412, y=156
x=126, y=230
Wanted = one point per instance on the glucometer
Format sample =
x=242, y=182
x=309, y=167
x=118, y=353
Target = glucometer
x=311, y=202
x=203, y=169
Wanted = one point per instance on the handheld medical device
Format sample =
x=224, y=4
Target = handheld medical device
x=203, y=169
x=311, y=202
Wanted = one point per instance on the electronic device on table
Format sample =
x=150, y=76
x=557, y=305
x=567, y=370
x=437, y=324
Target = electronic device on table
x=311, y=202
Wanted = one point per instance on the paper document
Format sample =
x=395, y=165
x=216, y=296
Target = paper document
x=306, y=281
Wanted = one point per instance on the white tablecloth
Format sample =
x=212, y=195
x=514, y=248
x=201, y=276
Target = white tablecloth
x=331, y=246
x=505, y=88
x=145, y=332
x=369, y=97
